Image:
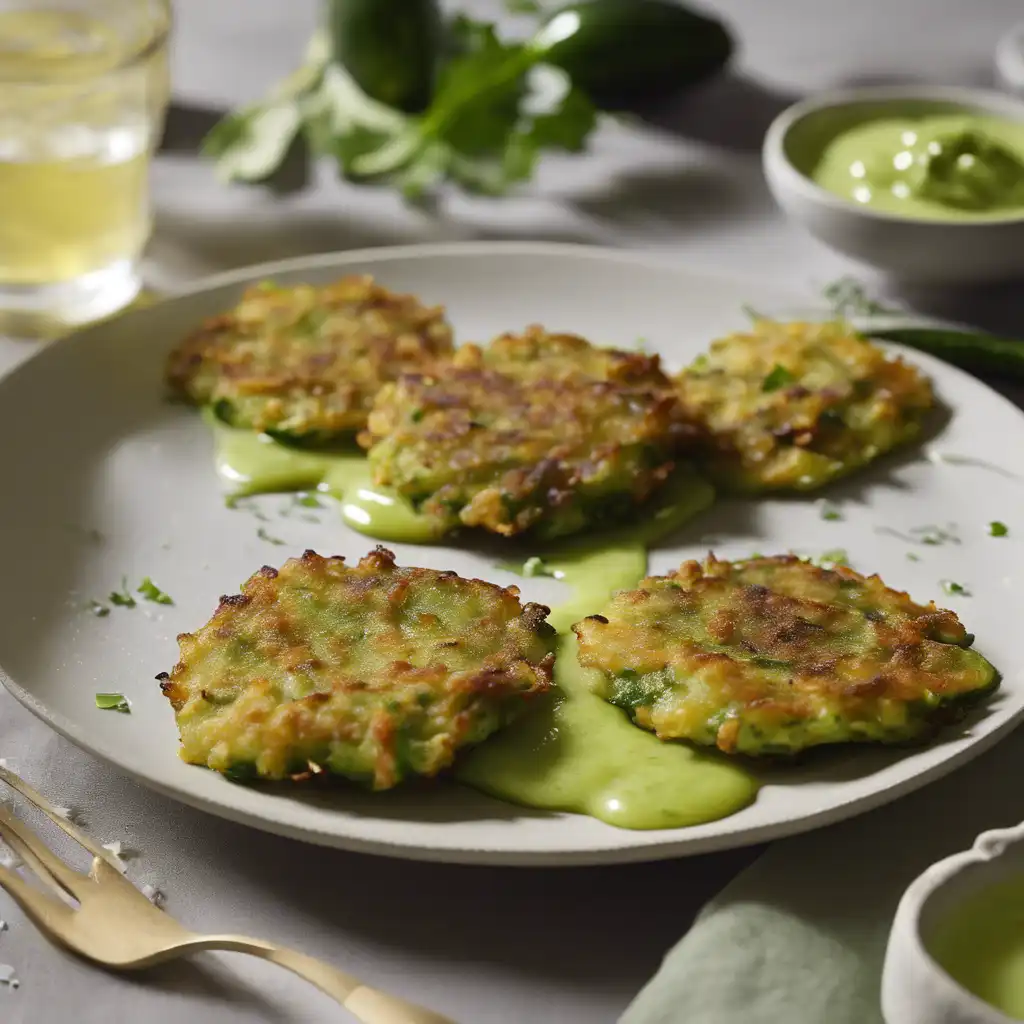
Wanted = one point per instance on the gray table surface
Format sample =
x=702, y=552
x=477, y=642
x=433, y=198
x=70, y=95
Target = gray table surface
x=483, y=945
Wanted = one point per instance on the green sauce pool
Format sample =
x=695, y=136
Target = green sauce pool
x=981, y=944
x=576, y=752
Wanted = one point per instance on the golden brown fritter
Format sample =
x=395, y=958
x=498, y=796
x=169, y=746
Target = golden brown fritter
x=795, y=405
x=305, y=362
x=374, y=672
x=536, y=432
x=773, y=655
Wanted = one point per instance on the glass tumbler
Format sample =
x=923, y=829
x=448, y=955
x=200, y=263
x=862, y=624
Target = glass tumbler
x=83, y=94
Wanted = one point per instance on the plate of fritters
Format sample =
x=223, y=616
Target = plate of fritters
x=539, y=519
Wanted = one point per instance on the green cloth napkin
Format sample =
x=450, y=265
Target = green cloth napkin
x=800, y=936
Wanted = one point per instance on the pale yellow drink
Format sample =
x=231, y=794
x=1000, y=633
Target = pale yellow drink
x=83, y=88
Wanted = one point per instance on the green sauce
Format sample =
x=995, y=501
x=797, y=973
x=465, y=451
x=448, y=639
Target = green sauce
x=948, y=167
x=576, y=752
x=251, y=463
x=981, y=944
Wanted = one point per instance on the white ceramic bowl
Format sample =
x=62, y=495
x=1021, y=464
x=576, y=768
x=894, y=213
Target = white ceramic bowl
x=915, y=989
x=951, y=252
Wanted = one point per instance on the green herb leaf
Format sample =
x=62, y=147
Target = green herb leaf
x=997, y=529
x=849, y=298
x=99, y=609
x=911, y=557
x=952, y=587
x=122, y=598
x=151, y=592
x=113, y=702
x=829, y=512
x=778, y=377
x=496, y=107
x=308, y=500
x=250, y=144
x=263, y=535
x=834, y=557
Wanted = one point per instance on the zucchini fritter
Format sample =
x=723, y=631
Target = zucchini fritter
x=773, y=655
x=536, y=432
x=795, y=405
x=305, y=362
x=373, y=672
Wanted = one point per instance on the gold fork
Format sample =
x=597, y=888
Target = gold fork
x=116, y=925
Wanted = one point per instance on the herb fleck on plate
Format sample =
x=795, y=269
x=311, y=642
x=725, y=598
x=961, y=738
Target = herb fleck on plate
x=151, y=592
x=122, y=598
x=113, y=702
x=952, y=587
x=997, y=529
x=828, y=511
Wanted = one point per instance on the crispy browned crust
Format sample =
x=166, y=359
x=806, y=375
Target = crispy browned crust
x=844, y=401
x=373, y=671
x=306, y=360
x=774, y=654
x=536, y=431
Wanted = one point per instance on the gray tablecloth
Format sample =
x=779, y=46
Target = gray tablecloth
x=491, y=946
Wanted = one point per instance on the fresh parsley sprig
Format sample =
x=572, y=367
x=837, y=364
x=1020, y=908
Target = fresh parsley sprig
x=496, y=107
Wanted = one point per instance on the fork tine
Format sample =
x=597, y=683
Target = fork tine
x=45, y=910
x=39, y=857
x=40, y=801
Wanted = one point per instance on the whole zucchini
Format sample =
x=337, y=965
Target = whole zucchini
x=390, y=47
x=627, y=52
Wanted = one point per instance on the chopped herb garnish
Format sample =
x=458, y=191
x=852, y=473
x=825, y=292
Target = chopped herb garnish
x=778, y=378
x=836, y=556
x=952, y=587
x=243, y=503
x=151, y=592
x=263, y=535
x=534, y=566
x=997, y=529
x=99, y=609
x=113, y=702
x=930, y=535
x=913, y=557
x=829, y=512
x=935, y=535
x=122, y=598
x=523, y=7
x=752, y=314
x=307, y=500
x=848, y=297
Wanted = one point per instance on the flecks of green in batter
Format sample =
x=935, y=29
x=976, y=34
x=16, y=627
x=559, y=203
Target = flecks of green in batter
x=575, y=752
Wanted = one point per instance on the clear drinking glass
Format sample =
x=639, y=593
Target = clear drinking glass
x=83, y=93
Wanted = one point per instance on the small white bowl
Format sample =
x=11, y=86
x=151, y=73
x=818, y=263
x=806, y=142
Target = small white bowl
x=915, y=989
x=1010, y=60
x=927, y=251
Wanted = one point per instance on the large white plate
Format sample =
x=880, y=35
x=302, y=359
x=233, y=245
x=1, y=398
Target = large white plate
x=89, y=443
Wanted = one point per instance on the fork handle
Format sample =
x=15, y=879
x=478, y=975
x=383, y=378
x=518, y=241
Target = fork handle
x=366, y=1004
